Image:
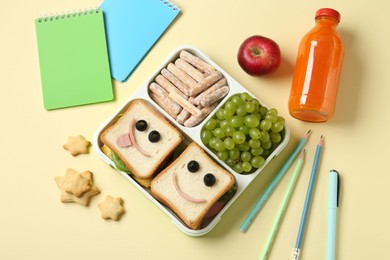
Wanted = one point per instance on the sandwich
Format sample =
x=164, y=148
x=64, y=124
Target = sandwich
x=192, y=186
x=140, y=141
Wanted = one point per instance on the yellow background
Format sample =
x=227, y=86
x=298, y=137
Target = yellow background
x=34, y=224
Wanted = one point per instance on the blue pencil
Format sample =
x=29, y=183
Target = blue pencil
x=259, y=204
x=309, y=195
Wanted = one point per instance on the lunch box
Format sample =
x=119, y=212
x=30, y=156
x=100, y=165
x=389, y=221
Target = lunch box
x=191, y=134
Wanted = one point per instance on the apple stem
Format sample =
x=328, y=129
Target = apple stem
x=256, y=51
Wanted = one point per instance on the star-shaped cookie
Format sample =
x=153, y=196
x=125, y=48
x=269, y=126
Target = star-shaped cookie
x=74, y=183
x=67, y=197
x=77, y=145
x=111, y=208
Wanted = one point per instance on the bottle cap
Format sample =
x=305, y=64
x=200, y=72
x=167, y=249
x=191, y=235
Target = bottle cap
x=328, y=12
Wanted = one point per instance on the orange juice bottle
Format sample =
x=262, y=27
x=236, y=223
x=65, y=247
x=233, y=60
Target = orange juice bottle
x=317, y=70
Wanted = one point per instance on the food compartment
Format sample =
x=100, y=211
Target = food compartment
x=243, y=133
x=125, y=130
x=188, y=87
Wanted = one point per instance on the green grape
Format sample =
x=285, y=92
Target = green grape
x=249, y=106
x=254, y=143
x=224, y=124
x=205, y=135
x=213, y=141
x=246, y=156
x=263, y=111
x=237, y=99
x=230, y=162
x=275, y=137
x=230, y=130
x=241, y=111
x=234, y=153
x=211, y=124
x=245, y=96
x=229, y=143
x=281, y=119
x=230, y=112
x=257, y=161
x=220, y=113
x=219, y=132
x=219, y=146
x=227, y=114
x=237, y=121
x=256, y=104
x=264, y=136
x=265, y=125
x=243, y=147
x=272, y=111
x=223, y=155
x=251, y=121
x=257, y=151
x=246, y=166
x=244, y=129
x=231, y=106
x=254, y=133
x=257, y=114
x=277, y=127
x=271, y=117
x=238, y=168
x=239, y=137
x=267, y=145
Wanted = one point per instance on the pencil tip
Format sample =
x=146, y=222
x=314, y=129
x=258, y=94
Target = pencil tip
x=308, y=134
x=321, y=142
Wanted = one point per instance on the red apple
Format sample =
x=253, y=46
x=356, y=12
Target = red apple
x=259, y=55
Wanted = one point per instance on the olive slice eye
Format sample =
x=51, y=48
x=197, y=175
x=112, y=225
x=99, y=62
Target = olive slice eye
x=193, y=166
x=209, y=179
x=141, y=125
x=154, y=136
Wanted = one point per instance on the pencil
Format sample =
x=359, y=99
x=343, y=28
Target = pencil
x=282, y=209
x=259, y=204
x=309, y=196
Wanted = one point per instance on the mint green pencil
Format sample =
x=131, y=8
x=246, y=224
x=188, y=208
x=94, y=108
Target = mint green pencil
x=283, y=207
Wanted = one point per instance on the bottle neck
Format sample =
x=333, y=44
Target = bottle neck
x=326, y=21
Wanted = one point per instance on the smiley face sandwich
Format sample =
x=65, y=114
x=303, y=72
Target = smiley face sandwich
x=141, y=140
x=191, y=185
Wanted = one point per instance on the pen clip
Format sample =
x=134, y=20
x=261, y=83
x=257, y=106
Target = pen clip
x=338, y=187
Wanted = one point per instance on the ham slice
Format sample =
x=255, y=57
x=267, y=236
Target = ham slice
x=123, y=140
x=184, y=195
x=127, y=139
x=132, y=139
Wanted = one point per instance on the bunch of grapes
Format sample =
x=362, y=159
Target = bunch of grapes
x=243, y=133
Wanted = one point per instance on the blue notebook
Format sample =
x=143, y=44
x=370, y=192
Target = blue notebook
x=132, y=28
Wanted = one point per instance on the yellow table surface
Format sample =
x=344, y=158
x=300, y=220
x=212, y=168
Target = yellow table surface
x=34, y=224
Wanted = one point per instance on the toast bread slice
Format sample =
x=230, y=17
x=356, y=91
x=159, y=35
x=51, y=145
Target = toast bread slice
x=202, y=197
x=141, y=165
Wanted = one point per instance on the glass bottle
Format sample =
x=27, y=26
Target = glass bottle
x=317, y=70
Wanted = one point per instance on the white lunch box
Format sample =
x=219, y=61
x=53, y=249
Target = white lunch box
x=193, y=134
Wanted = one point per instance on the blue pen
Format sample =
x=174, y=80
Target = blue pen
x=259, y=204
x=333, y=203
x=309, y=195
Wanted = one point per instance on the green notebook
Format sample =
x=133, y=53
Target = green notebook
x=73, y=59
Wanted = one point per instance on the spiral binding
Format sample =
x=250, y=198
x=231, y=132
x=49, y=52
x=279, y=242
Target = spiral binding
x=170, y=4
x=68, y=14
